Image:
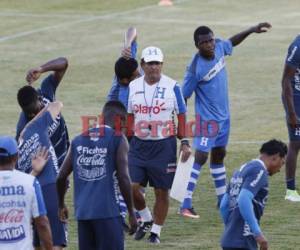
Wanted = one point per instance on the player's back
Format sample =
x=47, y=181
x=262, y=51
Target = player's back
x=252, y=176
x=35, y=135
x=94, y=173
x=18, y=203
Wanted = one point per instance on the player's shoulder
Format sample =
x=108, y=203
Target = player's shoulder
x=23, y=178
x=168, y=81
x=256, y=166
x=136, y=82
x=296, y=41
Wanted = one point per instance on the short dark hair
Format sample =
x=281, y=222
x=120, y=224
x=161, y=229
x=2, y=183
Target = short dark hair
x=27, y=97
x=201, y=30
x=274, y=147
x=4, y=160
x=124, y=68
x=112, y=109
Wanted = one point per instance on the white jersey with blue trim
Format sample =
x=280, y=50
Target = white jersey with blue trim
x=20, y=200
x=154, y=107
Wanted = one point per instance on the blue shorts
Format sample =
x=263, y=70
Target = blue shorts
x=58, y=228
x=218, y=138
x=294, y=133
x=153, y=161
x=101, y=234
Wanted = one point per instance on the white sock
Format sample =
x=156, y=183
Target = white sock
x=145, y=214
x=156, y=229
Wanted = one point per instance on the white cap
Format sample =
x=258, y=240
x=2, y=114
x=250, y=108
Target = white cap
x=152, y=54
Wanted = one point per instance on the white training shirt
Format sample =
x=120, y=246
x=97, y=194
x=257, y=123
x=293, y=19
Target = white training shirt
x=20, y=200
x=154, y=106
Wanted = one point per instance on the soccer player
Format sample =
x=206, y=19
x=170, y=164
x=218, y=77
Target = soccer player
x=126, y=70
x=100, y=167
x=36, y=135
x=32, y=101
x=291, y=101
x=153, y=100
x=243, y=204
x=21, y=201
x=206, y=76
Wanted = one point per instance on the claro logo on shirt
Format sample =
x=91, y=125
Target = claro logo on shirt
x=258, y=177
x=143, y=109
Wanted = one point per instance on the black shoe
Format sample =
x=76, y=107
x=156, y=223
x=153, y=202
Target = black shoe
x=154, y=238
x=125, y=227
x=143, y=228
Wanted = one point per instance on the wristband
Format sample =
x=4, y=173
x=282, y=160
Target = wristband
x=185, y=141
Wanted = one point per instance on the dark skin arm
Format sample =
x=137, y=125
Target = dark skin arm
x=62, y=185
x=259, y=28
x=287, y=93
x=58, y=66
x=125, y=182
x=181, y=133
x=43, y=228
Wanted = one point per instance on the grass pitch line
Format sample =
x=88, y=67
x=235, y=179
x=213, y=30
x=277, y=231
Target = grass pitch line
x=84, y=20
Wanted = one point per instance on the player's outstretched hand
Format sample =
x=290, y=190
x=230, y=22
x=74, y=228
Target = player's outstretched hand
x=132, y=224
x=63, y=214
x=186, y=152
x=262, y=27
x=39, y=160
x=33, y=75
x=262, y=242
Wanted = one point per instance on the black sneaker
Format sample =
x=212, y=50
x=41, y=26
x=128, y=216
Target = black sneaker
x=154, y=238
x=143, y=228
x=125, y=227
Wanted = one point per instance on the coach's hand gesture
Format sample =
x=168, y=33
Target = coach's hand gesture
x=262, y=242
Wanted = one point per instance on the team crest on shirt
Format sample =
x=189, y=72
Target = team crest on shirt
x=91, y=163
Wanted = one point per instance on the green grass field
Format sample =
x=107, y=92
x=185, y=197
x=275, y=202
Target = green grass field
x=90, y=34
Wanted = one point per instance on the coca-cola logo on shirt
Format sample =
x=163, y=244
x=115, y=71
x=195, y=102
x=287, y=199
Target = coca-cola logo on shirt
x=12, y=216
x=91, y=163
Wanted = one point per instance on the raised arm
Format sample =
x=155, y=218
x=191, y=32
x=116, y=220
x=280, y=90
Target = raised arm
x=259, y=28
x=58, y=66
x=125, y=182
x=62, y=184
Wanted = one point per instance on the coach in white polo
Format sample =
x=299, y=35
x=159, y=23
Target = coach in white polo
x=153, y=101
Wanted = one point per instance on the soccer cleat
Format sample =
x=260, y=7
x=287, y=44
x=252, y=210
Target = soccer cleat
x=292, y=195
x=154, y=238
x=143, y=228
x=189, y=212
